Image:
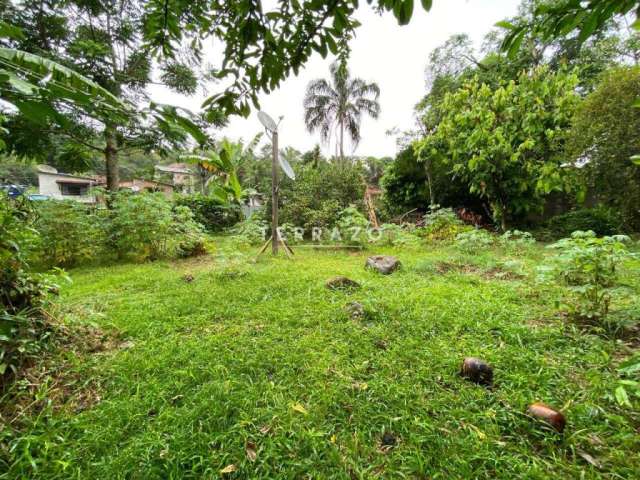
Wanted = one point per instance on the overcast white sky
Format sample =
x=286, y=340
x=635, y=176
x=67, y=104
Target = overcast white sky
x=393, y=56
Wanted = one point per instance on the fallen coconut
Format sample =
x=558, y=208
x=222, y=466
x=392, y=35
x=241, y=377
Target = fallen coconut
x=384, y=264
x=548, y=415
x=477, y=370
x=341, y=283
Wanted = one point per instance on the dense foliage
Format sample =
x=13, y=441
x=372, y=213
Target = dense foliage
x=24, y=327
x=589, y=266
x=317, y=196
x=511, y=158
x=604, y=136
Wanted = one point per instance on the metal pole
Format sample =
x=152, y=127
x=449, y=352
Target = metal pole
x=274, y=195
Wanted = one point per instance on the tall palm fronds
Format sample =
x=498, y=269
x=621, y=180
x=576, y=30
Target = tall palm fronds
x=337, y=105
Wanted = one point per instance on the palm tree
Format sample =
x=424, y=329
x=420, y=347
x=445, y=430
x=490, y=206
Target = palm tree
x=338, y=104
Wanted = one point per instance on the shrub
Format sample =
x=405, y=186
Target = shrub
x=397, y=235
x=474, y=240
x=516, y=239
x=70, y=233
x=146, y=227
x=442, y=224
x=353, y=226
x=290, y=233
x=253, y=231
x=319, y=194
x=587, y=266
x=208, y=212
x=600, y=220
x=24, y=329
x=189, y=232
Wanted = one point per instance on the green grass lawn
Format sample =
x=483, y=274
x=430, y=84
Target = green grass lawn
x=258, y=368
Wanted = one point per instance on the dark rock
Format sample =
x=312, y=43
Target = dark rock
x=355, y=310
x=476, y=370
x=385, y=264
x=548, y=415
x=381, y=344
x=341, y=283
x=389, y=440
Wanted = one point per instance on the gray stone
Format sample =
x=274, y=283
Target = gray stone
x=341, y=283
x=385, y=264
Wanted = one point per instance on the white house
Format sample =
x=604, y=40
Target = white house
x=62, y=186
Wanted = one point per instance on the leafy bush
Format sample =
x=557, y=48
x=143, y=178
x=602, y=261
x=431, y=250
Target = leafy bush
x=319, y=194
x=290, y=233
x=516, y=241
x=208, y=212
x=189, y=232
x=587, y=266
x=70, y=233
x=601, y=220
x=474, y=240
x=397, y=235
x=23, y=294
x=253, y=231
x=442, y=224
x=144, y=226
x=353, y=226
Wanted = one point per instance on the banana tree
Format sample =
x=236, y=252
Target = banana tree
x=219, y=171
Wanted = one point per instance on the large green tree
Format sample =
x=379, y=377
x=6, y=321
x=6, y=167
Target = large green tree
x=507, y=142
x=337, y=105
x=101, y=40
x=605, y=134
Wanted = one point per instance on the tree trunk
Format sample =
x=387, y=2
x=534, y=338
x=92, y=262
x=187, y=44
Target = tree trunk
x=342, y=142
x=432, y=200
x=111, y=157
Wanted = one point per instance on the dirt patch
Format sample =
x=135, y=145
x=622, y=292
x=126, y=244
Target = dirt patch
x=494, y=273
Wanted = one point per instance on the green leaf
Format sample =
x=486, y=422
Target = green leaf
x=427, y=4
x=636, y=25
x=636, y=159
x=10, y=31
x=621, y=396
x=505, y=24
x=66, y=79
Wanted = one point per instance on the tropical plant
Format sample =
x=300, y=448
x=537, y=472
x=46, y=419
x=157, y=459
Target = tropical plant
x=336, y=105
x=219, y=171
x=588, y=266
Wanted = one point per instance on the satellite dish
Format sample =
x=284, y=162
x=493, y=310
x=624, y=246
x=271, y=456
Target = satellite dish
x=268, y=122
x=46, y=169
x=286, y=168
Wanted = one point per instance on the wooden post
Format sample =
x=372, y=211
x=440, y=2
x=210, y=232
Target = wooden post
x=274, y=195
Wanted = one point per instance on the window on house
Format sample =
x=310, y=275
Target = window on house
x=74, y=189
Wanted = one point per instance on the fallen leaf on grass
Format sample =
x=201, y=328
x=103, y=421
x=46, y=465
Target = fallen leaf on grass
x=229, y=469
x=250, y=449
x=299, y=408
x=265, y=429
x=589, y=459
